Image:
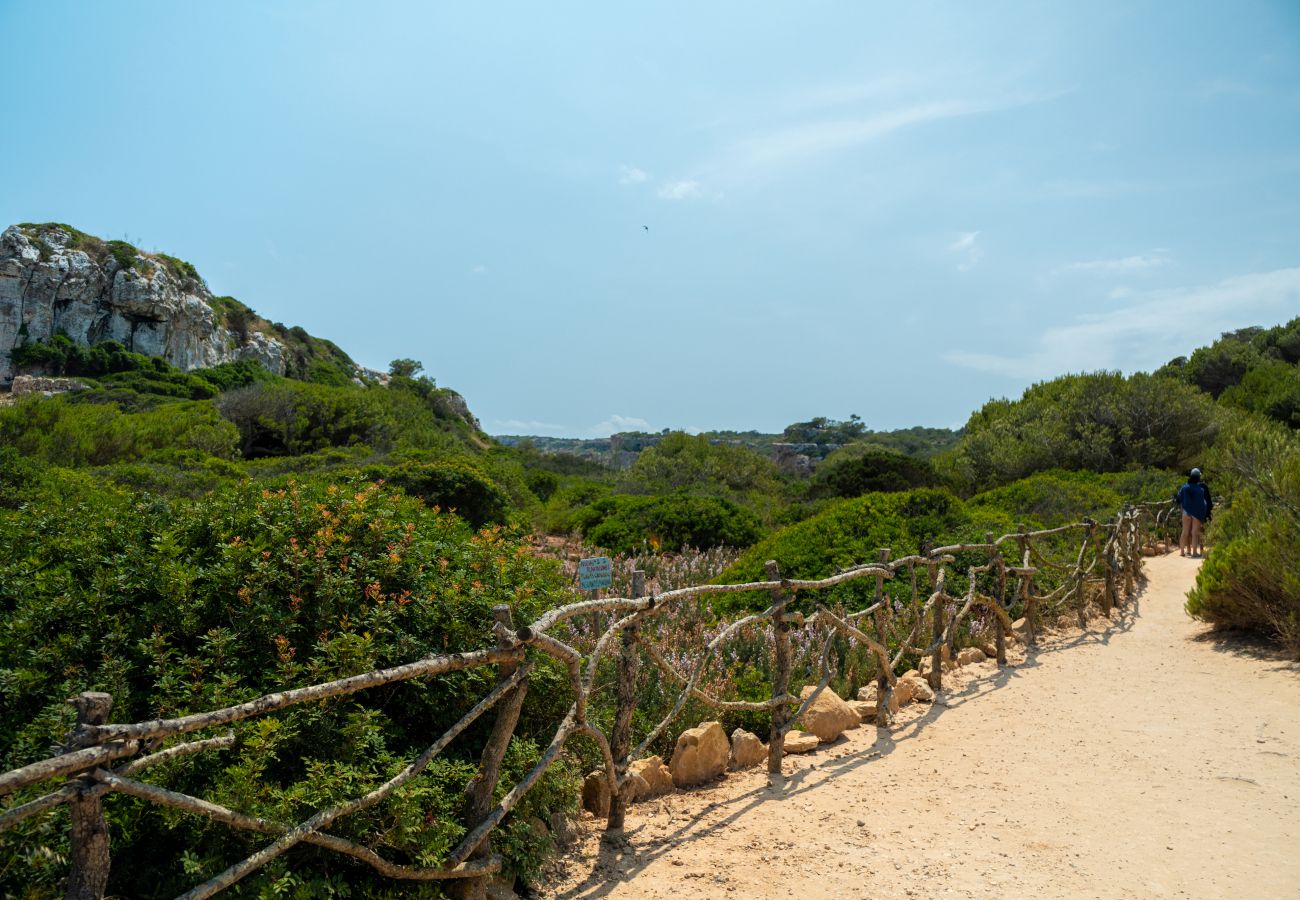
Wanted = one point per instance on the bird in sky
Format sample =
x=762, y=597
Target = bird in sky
x=646, y=227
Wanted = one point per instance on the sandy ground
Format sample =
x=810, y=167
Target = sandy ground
x=1144, y=757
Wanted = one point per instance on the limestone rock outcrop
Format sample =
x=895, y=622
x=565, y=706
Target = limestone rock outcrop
x=828, y=716
x=55, y=280
x=701, y=754
x=969, y=656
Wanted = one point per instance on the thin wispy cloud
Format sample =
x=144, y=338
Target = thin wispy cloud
x=803, y=143
x=631, y=175
x=480, y=269
x=1124, y=265
x=968, y=250
x=681, y=189
x=1154, y=327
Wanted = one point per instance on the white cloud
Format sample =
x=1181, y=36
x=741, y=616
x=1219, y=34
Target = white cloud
x=480, y=269
x=683, y=189
x=1122, y=265
x=967, y=248
x=617, y=423
x=631, y=175
x=1154, y=327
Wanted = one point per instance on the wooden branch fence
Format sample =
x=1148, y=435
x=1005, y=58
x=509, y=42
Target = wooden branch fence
x=100, y=758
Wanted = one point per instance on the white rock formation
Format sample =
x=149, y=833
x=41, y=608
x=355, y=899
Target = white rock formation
x=48, y=286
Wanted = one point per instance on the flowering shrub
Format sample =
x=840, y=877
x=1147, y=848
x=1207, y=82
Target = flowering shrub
x=193, y=605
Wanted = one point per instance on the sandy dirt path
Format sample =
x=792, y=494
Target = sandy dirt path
x=1142, y=758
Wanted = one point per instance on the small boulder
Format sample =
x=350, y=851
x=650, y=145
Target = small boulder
x=917, y=688
x=701, y=754
x=866, y=709
x=800, y=742
x=948, y=666
x=746, y=749
x=656, y=776
x=867, y=694
x=828, y=716
x=595, y=794
x=969, y=656
x=903, y=692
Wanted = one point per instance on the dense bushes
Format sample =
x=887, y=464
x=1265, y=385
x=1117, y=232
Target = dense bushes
x=1256, y=369
x=182, y=606
x=454, y=485
x=626, y=524
x=860, y=469
x=1251, y=578
x=1101, y=422
x=64, y=432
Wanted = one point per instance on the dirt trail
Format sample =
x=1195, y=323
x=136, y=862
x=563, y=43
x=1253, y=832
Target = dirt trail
x=1142, y=758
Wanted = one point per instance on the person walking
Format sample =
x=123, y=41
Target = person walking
x=1194, y=498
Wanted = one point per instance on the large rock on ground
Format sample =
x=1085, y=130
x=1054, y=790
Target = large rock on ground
x=657, y=777
x=969, y=656
x=866, y=709
x=595, y=794
x=800, y=742
x=701, y=754
x=746, y=749
x=917, y=688
x=828, y=716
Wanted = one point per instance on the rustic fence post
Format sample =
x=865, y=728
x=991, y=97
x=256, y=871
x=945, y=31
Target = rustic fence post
x=1130, y=554
x=780, y=671
x=620, y=736
x=936, y=656
x=1081, y=595
x=88, y=876
x=999, y=630
x=479, y=795
x=1099, y=547
x=1027, y=589
x=884, y=690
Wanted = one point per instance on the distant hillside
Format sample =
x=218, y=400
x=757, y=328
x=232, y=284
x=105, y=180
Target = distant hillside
x=800, y=446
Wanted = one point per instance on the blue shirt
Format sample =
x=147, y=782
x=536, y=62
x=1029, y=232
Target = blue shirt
x=1194, y=499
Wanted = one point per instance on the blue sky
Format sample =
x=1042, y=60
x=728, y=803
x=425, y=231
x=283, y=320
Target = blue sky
x=897, y=210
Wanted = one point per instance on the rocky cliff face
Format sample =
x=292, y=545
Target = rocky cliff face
x=55, y=279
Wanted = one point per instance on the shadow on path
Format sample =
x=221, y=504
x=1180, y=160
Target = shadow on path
x=620, y=858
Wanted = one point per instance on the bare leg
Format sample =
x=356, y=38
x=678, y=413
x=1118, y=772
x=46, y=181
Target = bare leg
x=1198, y=536
x=1185, y=541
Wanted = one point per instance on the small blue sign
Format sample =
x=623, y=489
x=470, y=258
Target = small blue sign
x=595, y=572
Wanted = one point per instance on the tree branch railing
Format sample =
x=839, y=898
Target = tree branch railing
x=101, y=758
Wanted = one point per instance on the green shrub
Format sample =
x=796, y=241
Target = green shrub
x=1250, y=579
x=453, y=485
x=1049, y=499
x=626, y=524
x=861, y=469
x=1101, y=422
x=189, y=605
x=66, y=433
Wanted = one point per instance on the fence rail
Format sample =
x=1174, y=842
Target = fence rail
x=100, y=758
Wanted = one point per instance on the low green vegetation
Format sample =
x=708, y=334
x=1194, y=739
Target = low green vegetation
x=1251, y=579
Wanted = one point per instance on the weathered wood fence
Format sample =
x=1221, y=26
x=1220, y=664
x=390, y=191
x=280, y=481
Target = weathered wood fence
x=100, y=758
